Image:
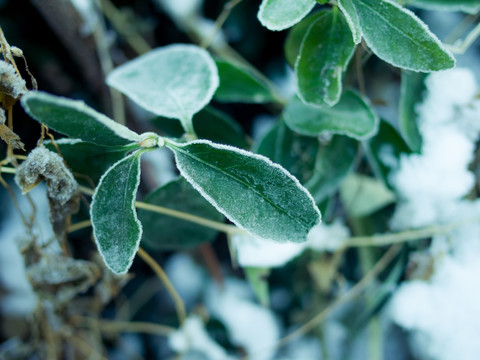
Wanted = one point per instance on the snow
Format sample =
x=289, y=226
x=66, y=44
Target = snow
x=193, y=337
x=248, y=324
x=441, y=313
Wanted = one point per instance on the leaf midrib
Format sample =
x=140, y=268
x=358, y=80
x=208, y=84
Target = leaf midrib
x=244, y=184
x=389, y=24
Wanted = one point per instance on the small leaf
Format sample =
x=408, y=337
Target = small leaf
x=399, y=37
x=351, y=116
x=324, y=54
x=174, y=81
x=258, y=280
x=295, y=37
x=116, y=228
x=282, y=14
x=363, y=195
x=384, y=149
x=411, y=94
x=348, y=10
x=89, y=160
x=76, y=120
x=251, y=191
x=209, y=123
x=334, y=163
x=167, y=232
x=296, y=153
x=240, y=84
x=468, y=6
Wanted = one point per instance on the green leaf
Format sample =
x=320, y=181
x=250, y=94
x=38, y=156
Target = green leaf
x=334, y=162
x=384, y=149
x=363, y=195
x=209, y=123
x=282, y=14
x=296, y=153
x=348, y=10
x=174, y=81
x=397, y=36
x=76, y=120
x=87, y=160
x=468, y=6
x=251, y=191
x=295, y=37
x=116, y=228
x=324, y=55
x=411, y=94
x=258, y=280
x=166, y=232
x=240, y=84
x=351, y=116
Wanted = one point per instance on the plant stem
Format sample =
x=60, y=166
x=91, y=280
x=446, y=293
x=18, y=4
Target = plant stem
x=126, y=326
x=8, y=170
x=177, y=300
x=229, y=229
x=80, y=225
x=408, y=235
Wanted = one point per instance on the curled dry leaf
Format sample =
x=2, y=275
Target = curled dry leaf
x=62, y=188
x=11, y=85
x=8, y=135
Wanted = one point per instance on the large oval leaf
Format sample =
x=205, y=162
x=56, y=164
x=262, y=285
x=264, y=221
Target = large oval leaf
x=240, y=84
x=116, y=228
x=251, y=191
x=324, y=54
x=166, y=232
x=399, y=37
x=76, y=120
x=468, y=6
x=281, y=14
x=351, y=116
x=174, y=81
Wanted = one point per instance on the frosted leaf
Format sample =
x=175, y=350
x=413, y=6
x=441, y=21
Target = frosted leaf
x=326, y=50
x=257, y=252
x=181, y=9
x=8, y=135
x=399, y=37
x=254, y=193
x=174, y=81
x=468, y=6
x=76, y=119
x=351, y=16
x=116, y=228
x=282, y=14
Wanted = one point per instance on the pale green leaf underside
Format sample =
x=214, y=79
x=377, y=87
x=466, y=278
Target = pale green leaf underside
x=174, y=81
x=282, y=14
x=76, y=119
x=399, y=37
x=251, y=191
x=239, y=84
x=468, y=6
x=351, y=116
x=348, y=10
x=116, y=228
x=324, y=54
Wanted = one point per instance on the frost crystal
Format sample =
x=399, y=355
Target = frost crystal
x=10, y=83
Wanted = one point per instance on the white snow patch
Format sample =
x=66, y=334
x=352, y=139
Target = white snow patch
x=331, y=237
x=248, y=324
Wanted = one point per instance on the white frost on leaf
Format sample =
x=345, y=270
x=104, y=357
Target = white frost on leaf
x=282, y=14
x=10, y=83
x=192, y=337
